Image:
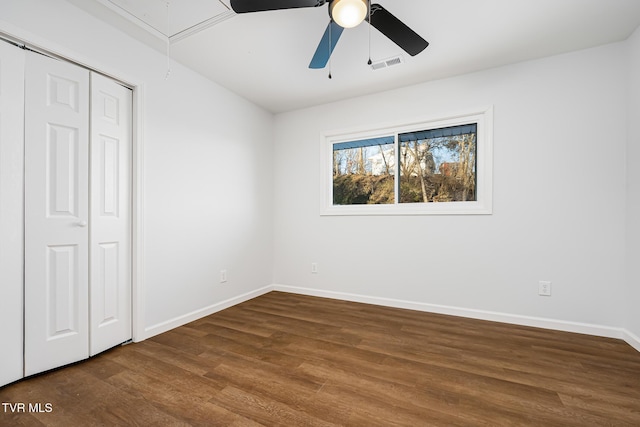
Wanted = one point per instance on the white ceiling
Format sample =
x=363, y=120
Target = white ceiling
x=264, y=56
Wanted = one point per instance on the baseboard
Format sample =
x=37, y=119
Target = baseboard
x=197, y=314
x=538, y=322
x=631, y=339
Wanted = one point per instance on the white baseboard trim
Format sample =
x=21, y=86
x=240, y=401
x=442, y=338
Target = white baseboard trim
x=516, y=319
x=538, y=322
x=631, y=339
x=197, y=314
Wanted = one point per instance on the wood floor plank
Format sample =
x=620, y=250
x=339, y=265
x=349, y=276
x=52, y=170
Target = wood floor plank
x=297, y=388
x=285, y=360
x=264, y=410
x=172, y=400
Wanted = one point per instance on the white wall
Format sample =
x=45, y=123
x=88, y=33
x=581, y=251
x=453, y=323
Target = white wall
x=559, y=199
x=207, y=172
x=633, y=187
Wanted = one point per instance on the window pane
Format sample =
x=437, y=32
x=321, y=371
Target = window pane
x=363, y=172
x=438, y=165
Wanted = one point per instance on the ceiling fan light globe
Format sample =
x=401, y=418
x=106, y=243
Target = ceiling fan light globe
x=348, y=13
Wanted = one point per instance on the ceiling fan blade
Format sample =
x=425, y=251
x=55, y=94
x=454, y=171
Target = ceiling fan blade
x=246, y=6
x=326, y=45
x=396, y=30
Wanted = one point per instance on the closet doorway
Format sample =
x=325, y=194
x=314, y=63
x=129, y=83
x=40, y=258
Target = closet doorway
x=77, y=219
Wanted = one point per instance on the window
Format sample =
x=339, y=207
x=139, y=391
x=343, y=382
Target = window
x=363, y=171
x=438, y=166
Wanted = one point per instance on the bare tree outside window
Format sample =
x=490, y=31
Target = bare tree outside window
x=363, y=174
x=439, y=169
x=436, y=165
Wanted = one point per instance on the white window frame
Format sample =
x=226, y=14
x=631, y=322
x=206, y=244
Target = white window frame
x=483, y=117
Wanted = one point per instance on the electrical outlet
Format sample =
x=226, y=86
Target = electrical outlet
x=314, y=267
x=544, y=288
x=223, y=276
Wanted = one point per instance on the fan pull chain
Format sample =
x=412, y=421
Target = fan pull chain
x=369, y=61
x=166, y=77
x=330, y=27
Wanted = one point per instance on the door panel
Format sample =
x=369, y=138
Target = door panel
x=56, y=213
x=61, y=283
x=62, y=174
x=110, y=234
x=11, y=212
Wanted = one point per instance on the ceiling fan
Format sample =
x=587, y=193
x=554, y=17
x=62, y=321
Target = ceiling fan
x=343, y=14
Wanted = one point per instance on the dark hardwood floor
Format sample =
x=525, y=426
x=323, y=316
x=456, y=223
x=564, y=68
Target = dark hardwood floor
x=291, y=360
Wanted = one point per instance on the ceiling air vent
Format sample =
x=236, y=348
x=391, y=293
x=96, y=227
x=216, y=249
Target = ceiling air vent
x=386, y=63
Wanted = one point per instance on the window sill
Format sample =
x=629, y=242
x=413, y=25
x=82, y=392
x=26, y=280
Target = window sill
x=445, y=208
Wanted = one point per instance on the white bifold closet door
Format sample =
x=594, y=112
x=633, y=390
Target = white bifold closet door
x=77, y=214
x=11, y=213
x=56, y=213
x=110, y=214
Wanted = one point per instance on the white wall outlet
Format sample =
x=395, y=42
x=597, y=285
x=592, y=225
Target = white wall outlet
x=544, y=288
x=314, y=267
x=223, y=276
